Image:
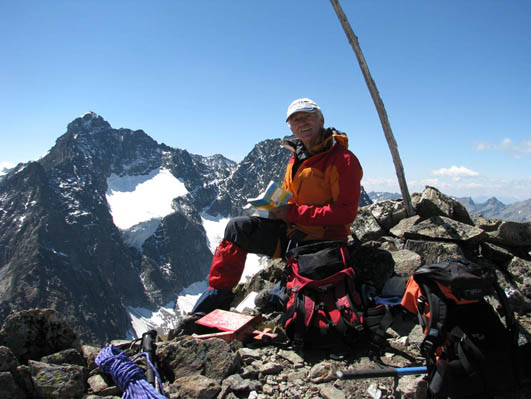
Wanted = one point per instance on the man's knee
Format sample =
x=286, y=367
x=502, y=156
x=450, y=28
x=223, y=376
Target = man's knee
x=237, y=228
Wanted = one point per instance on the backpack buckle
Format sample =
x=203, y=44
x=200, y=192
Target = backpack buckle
x=427, y=346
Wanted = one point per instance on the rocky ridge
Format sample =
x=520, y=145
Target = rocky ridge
x=41, y=357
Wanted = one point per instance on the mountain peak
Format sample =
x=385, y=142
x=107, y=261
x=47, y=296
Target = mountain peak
x=494, y=201
x=89, y=121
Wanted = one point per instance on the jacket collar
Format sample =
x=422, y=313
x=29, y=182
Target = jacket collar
x=330, y=136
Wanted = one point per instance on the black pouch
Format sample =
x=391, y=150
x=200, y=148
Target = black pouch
x=322, y=264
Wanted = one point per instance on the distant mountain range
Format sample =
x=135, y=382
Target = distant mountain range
x=495, y=209
x=491, y=209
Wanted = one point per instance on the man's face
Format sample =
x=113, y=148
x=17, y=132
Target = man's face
x=307, y=127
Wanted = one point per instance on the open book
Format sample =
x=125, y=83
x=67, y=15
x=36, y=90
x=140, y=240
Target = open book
x=273, y=197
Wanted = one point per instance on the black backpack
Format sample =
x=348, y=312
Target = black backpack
x=469, y=351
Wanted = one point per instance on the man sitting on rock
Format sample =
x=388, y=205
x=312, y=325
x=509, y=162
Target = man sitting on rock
x=324, y=178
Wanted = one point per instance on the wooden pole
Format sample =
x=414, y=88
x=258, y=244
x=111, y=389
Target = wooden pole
x=353, y=40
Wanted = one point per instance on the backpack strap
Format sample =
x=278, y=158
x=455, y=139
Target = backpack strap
x=349, y=318
x=508, y=313
x=377, y=319
x=304, y=309
x=434, y=328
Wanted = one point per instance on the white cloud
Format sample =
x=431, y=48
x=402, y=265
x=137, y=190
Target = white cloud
x=5, y=166
x=456, y=172
x=506, y=190
x=517, y=150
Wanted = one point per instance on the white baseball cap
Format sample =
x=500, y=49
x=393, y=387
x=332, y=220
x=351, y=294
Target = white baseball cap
x=301, y=105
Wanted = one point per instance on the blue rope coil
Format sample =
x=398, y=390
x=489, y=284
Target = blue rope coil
x=127, y=375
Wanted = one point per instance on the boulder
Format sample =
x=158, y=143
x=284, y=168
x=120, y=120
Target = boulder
x=434, y=251
x=486, y=224
x=58, y=381
x=434, y=203
x=67, y=356
x=495, y=253
x=9, y=387
x=406, y=261
x=444, y=229
x=520, y=270
x=365, y=226
x=404, y=225
x=513, y=234
x=187, y=356
x=34, y=333
x=240, y=386
x=8, y=361
x=388, y=213
x=195, y=387
x=373, y=265
x=89, y=354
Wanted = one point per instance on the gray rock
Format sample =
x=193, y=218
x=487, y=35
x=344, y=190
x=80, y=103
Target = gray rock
x=67, y=356
x=102, y=386
x=322, y=372
x=58, y=381
x=8, y=361
x=9, y=387
x=388, y=213
x=486, y=224
x=97, y=383
x=434, y=203
x=435, y=251
x=444, y=229
x=520, y=270
x=406, y=261
x=271, y=368
x=295, y=359
x=495, y=253
x=187, y=356
x=235, y=383
x=195, y=387
x=405, y=225
x=89, y=353
x=248, y=355
x=34, y=333
x=512, y=234
x=328, y=391
x=366, y=227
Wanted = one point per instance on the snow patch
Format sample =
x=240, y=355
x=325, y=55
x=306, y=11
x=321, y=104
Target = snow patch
x=136, y=199
x=136, y=235
x=215, y=230
x=143, y=320
x=189, y=296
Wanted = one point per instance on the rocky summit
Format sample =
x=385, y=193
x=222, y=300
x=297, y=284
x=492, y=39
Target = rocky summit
x=41, y=356
x=72, y=240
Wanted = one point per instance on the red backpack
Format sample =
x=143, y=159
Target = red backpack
x=323, y=298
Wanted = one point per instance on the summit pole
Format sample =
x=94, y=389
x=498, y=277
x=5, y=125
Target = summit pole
x=353, y=40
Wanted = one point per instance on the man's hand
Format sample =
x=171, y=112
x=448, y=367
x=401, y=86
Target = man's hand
x=279, y=213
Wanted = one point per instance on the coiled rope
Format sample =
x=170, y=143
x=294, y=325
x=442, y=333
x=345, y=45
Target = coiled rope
x=127, y=375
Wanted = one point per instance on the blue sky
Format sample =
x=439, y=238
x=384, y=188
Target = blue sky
x=217, y=76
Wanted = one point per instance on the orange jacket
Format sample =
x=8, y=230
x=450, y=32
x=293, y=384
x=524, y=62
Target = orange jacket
x=326, y=187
